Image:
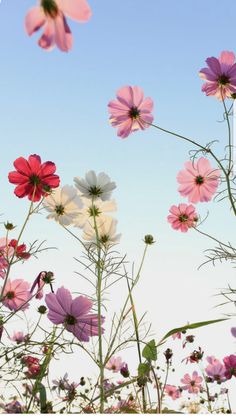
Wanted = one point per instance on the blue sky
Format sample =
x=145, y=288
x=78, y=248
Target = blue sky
x=55, y=105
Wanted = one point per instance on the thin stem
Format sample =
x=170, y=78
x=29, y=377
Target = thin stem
x=206, y=150
x=99, y=301
x=159, y=410
x=229, y=135
x=212, y=238
x=136, y=326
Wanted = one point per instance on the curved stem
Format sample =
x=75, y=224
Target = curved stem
x=206, y=150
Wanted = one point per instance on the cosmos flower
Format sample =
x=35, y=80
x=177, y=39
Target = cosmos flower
x=230, y=366
x=233, y=331
x=106, y=234
x=19, y=337
x=20, y=250
x=198, y=181
x=114, y=364
x=131, y=111
x=220, y=75
x=192, y=384
x=95, y=186
x=75, y=314
x=63, y=205
x=16, y=294
x=172, y=391
x=33, y=178
x=6, y=252
x=98, y=209
x=177, y=335
x=50, y=15
x=182, y=217
x=215, y=369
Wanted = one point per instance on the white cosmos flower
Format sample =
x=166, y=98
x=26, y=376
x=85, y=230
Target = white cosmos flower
x=90, y=209
x=106, y=233
x=95, y=186
x=63, y=204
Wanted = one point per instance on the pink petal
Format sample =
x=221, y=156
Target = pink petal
x=227, y=57
x=47, y=40
x=76, y=9
x=63, y=36
x=34, y=20
x=81, y=306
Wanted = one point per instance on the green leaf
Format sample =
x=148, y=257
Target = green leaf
x=42, y=397
x=150, y=351
x=143, y=369
x=190, y=326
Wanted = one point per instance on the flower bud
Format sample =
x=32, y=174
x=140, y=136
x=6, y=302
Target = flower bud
x=42, y=309
x=148, y=239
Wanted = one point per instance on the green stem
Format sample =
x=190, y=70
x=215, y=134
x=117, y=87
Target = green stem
x=99, y=301
x=136, y=326
x=229, y=137
x=209, y=151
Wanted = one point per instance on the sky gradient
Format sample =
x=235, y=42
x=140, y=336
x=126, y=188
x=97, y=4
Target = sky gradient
x=55, y=105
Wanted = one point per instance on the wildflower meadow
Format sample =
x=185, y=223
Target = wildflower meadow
x=118, y=187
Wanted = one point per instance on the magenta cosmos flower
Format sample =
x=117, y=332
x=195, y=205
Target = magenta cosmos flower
x=220, y=75
x=192, y=384
x=215, y=370
x=73, y=313
x=16, y=295
x=50, y=15
x=130, y=112
x=182, y=217
x=198, y=181
x=172, y=391
x=33, y=178
x=230, y=366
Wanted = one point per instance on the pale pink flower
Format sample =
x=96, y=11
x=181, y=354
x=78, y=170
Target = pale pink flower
x=172, y=391
x=192, y=384
x=19, y=337
x=220, y=75
x=215, y=369
x=131, y=111
x=114, y=364
x=50, y=15
x=182, y=217
x=198, y=181
x=16, y=294
x=177, y=335
x=6, y=252
x=75, y=313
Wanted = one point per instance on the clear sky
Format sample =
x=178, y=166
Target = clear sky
x=55, y=104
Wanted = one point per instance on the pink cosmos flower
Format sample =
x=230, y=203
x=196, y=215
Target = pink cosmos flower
x=233, y=331
x=192, y=384
x=16, y=294
x=215, y=369
x=39, y=284
x=33, y=178
x=73, y=313
x=20, y=250
x=230, y=366
x=198, y=181
x=220, y=75
x=19, y=337
x=5, y=253
x=50, y=15
x=182, y=218
x=177, y=335
x=172, y=391
x=114, y=364
x=130, y=112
